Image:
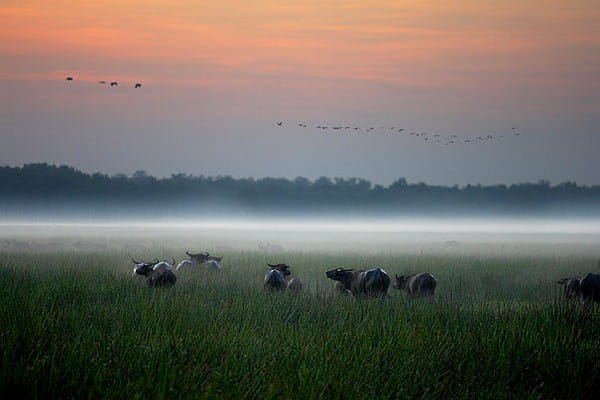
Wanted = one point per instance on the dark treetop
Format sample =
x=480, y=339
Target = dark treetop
x=42, y=189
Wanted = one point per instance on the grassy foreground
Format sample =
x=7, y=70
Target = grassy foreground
x=76, y=325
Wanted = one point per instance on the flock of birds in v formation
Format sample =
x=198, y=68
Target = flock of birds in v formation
x=426, y=136
x=444, y=139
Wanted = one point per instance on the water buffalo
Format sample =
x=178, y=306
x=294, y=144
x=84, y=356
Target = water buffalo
x=372, y=282
x=275, y=278
x=213, y=262
x=571, y=287
x=185, y=263
x=157, y=273
x=295, y=284
x=197, y=259
x=419, y=285
x=587, y=288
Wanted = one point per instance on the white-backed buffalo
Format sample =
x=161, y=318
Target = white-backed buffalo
x=185, y=263
x=275, y=278
x=157, y=273
x=196, y=259
x=213, y=262
x=419, y=285
x=372, y=282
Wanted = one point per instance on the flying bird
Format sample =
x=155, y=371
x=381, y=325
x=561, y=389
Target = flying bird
x=69, y=78
x=138, y=85
x=279, y=123
x=114, y=84
x=102, y=82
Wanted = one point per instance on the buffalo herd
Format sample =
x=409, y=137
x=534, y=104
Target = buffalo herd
x=358, y=283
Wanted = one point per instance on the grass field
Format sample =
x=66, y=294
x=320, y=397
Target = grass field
x=75, y=324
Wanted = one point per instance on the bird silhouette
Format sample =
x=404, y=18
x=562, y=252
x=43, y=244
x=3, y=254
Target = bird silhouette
x=69, y=78
x=138, y=85
x=102, y=82
x=279, y=123
x=114, y=84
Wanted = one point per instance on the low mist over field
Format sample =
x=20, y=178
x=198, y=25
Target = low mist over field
x=497, y=326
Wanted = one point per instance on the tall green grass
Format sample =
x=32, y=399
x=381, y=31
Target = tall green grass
x=77, y=325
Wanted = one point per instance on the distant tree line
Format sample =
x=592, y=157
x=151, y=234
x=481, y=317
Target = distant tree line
x=42, y=188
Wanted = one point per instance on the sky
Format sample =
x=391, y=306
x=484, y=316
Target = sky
x=217, y=75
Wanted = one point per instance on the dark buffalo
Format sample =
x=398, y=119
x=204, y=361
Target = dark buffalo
x=372, y=282
x=586, y=289
x=419, y=285
x=589, y=287
x=571, y=287
x=275, y=278
x=157, y=273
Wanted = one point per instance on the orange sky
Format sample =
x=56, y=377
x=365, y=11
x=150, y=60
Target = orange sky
x=423, y=43
x=456, y=64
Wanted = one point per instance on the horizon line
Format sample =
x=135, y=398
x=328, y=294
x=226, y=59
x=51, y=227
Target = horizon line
x=540, y=181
